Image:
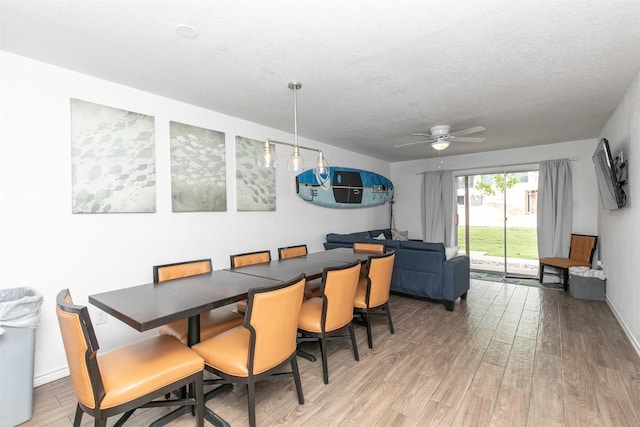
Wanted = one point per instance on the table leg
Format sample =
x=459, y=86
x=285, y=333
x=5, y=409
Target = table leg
x=193, y=337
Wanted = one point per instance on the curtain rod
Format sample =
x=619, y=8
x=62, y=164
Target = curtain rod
x=571, y=159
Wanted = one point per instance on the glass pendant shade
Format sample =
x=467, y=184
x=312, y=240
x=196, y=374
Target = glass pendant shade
x=296, y=161
x=268, y=157
x=322, y=165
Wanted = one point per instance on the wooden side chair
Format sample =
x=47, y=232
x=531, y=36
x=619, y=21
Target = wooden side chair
x=376, y=248
x=372, y=295
x=130, y=377
x=330, y=315
x=211, y=322
x=311, y=287
x=581, y=251
x=259, y=349
x=292, y=251
x=248, y=258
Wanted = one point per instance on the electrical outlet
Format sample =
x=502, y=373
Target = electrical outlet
x=99, y=317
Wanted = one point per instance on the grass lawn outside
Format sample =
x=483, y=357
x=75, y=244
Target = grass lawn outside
x=522, y=242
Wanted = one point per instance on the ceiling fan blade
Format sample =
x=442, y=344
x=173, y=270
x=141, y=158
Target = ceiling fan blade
x=411, y=143
x=468, y=139
x=421, y=134
x=463, y=132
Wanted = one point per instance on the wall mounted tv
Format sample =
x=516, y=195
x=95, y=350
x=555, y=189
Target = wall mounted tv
x=608, y=176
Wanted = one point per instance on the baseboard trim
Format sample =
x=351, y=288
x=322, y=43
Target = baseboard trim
x=50, y=376
x=627, y=331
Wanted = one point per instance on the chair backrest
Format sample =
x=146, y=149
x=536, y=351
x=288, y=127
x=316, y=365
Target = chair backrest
x=272, y=319
x=379, y=268
x=292, y=252
x=338, y=290
x=376, y=248
x=80, y=346
x=582, y=247
x=164, y=272
x=250, y=258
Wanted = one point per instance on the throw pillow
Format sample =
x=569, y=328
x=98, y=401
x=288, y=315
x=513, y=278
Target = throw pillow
x=451, y=252
x=380, y=237
x=399, y=235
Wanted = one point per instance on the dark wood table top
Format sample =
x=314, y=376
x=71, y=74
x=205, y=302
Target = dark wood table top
x=311, y=265
x=151, y=305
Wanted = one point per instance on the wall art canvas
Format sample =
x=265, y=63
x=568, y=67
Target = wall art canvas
x=112, y=159
x=198, y=169
x=255, y=186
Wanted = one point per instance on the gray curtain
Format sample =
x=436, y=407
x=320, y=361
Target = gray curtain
x=555, y=208
x=438, y=207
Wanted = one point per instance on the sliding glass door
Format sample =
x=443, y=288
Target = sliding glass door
x=497, y=221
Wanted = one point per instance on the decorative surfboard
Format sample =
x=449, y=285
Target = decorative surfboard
x=344, y=188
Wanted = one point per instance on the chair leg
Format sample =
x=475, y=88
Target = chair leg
x=354, y=344
x=198, y=386
x=251, y=398
x=78, y=418
x=369, y=337
x=541, y=272
x=325, y=365
x=565, y=274
x=296, y=379
x=388, y=311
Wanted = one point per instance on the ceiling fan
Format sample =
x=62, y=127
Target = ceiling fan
x=440, y=136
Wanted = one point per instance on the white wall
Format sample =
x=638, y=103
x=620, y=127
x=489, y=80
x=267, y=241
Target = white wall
x=585, y=195
x=619, y=233
x=44, y=246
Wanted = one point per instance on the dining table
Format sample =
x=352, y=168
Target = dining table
x=151, y=305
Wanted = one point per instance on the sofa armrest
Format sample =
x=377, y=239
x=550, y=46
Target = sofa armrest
x=456, y=277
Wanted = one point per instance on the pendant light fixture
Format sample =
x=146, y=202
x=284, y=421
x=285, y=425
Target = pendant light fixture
x=268, y=158
x=296, y=161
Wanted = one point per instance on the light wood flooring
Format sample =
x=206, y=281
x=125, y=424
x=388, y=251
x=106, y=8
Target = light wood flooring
x=507, y=356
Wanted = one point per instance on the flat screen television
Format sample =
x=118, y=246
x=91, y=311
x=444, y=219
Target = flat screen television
x=607, y=175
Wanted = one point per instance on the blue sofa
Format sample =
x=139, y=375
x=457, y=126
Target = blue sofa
x=421, y=268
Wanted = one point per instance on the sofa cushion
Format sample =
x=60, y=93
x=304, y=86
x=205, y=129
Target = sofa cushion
x=392, y=244
x=375, y=233
x=400, y=235
x=361, y=236
x=424, y=246
x=451, y=252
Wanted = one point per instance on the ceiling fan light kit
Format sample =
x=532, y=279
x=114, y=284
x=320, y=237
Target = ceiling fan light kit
x=440, y=144
x=440, y=136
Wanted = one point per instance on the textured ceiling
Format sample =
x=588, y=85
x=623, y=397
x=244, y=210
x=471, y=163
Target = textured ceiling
x=530, y=71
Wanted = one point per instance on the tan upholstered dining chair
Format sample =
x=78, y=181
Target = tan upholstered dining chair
x=330, y=315
x=248, y=258
x=211, y=322
x=127, y=378
x=259, y=349
x=292, y=251
x=311, y=287
x=376, y=248
x=372, y=295
x=580, y=255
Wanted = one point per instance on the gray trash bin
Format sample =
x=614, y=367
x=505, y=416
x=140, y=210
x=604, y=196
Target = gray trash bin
x=586, y=283
x=19, y=317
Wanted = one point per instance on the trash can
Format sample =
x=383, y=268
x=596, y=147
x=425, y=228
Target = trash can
x=19, y=316
x=587, y=283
